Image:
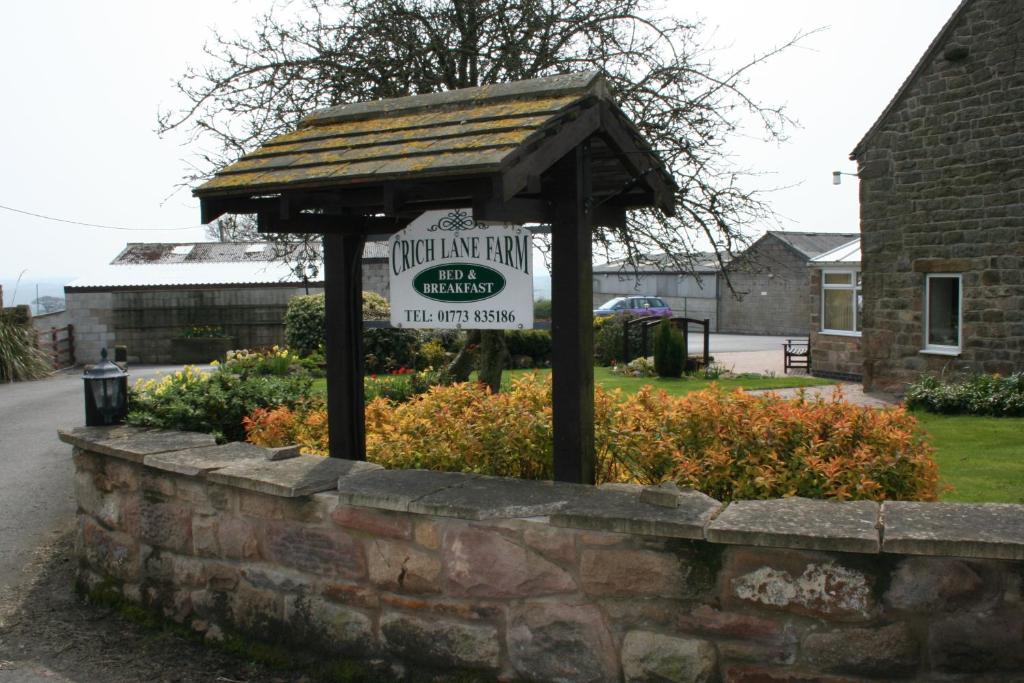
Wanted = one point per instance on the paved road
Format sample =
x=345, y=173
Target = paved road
x=36, y=496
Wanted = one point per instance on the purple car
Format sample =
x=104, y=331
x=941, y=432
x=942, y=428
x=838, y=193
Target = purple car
x=637, y=305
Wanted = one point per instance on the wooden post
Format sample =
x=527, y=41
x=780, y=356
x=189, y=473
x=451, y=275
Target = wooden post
x=343, y=302
x=707, y=341
x=572, y=324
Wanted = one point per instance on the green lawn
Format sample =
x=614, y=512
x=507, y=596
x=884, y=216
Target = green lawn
x=981, y=457
x=674, y=387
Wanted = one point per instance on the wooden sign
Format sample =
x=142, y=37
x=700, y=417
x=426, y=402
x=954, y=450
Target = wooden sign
x=451, y=272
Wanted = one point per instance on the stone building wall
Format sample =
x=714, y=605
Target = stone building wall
x=942, y=191
x=145, y=320
x=832, y=355
x=518, y=580
x=769, y=294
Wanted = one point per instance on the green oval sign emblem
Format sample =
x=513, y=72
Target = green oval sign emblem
x=458, y=282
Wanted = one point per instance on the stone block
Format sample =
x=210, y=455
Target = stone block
x=196, y=462
x=480, y=563
x=350, y=593
x=113, y=554
x=887, y=651
x=799, y=523
x=621, y=511
x=428, y=534
x=655, y=658
x=742, y=673
x=440, y=643
x=401, y=567
x=395, y=489
x=799, y=582
x=976, y=643
x=983, y=530
x=301, y=476
x=204, y=537
x=276, y=579
x=560, y=642
x=628, y=572
x=335, y=628
x=326, y=551
x=707, y=620
x=389, y=524
x=937, y=584
x=558, y=545
x=254, y=610
x=467, y=610
x=498, y=498
x=132, y=443
x=167, y=526
x=236, y=538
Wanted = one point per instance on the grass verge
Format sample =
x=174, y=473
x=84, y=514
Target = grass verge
x=981, y=458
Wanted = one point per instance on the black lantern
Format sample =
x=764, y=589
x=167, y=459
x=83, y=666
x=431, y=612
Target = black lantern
x=106, y=393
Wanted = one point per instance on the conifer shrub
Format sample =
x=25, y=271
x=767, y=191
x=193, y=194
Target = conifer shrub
x=728, y=445
x=669, y=352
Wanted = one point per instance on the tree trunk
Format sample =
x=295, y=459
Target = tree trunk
x=493, y=358
x=463, y=363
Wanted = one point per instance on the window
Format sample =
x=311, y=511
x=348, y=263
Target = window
x=841, y=302
x=942, y=313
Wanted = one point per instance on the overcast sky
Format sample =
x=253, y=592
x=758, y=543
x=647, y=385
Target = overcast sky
x=82, y=84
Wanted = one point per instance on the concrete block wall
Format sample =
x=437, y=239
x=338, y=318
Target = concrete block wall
x=145, y=320
x=769, y=292
x=517, y=580
x=942, y=190
x=687, y=295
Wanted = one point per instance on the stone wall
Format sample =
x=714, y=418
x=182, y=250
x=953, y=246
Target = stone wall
x=514, y=580
x=832, y=355
x=145, y=320
x=769, y=292
x=942, y=190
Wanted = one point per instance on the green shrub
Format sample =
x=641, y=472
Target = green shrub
x=669, y=353
x=214, y=403
x=533, y=343
x=390, y=349
x=542, y=309
x=981, y=395
x=304, y=321
x=608, y=331
x=20, y=358
x=431, y=354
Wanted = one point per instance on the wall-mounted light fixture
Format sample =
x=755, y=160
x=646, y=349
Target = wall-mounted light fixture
x=837, y=177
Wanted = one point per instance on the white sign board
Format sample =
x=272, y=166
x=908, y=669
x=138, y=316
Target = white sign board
x=448, y=271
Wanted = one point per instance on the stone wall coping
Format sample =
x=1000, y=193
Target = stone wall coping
x=983, y=531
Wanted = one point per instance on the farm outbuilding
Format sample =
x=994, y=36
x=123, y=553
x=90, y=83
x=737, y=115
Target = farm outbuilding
x=153, y=293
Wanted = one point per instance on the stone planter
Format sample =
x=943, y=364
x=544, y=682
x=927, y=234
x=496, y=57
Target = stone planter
x=200, y=349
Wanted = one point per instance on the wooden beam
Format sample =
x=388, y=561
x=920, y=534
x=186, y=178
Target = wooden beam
x=343, y=288
x=572, y=325
x=637, y=161
x=212, y=209
x=549, y=151
x=304, y=223
x=514, y=210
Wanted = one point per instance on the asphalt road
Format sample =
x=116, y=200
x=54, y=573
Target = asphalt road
x=36, y=473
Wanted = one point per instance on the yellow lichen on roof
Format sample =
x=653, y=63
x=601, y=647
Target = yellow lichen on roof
x=462, y=114
x=428, y=133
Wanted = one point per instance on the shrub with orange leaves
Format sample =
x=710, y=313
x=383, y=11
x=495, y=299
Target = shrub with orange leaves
x=728, y=445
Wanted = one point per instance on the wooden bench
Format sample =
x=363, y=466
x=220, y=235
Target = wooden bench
x=796, y=355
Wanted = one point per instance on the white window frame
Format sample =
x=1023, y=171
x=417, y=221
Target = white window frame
x=852, y=272
x=940, y=349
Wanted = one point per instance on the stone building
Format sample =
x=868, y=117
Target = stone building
x=769, y=292
x=152, y=293
x=942, y=207
x=836, y=312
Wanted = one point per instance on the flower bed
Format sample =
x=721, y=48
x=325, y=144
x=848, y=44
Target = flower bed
x=728, y=445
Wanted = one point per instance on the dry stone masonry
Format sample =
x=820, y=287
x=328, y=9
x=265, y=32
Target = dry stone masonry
x=942, y=191
x=418, y=571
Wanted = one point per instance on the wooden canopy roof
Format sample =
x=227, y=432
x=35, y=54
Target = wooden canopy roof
x=488, y=147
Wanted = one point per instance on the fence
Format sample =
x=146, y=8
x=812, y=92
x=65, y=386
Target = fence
x=59, y=344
